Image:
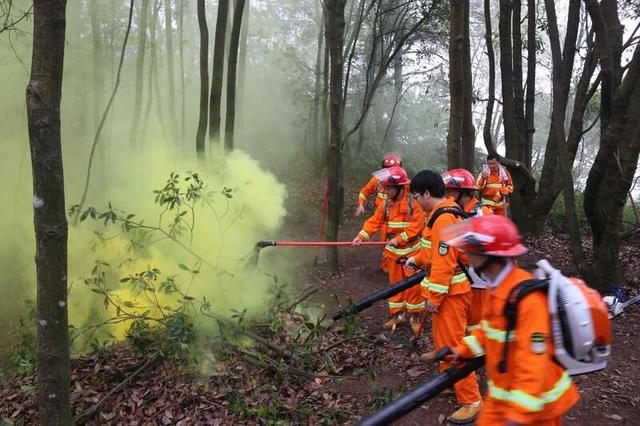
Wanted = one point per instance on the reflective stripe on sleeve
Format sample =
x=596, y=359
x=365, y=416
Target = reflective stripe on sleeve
x=415, y=307
x=497, y=334
x=474, y=345
x=398, y=224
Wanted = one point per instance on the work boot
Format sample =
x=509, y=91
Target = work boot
x=465, y=414
x=394, y=322
x=428, y=356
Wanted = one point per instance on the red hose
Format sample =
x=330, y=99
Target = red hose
x=319, y=243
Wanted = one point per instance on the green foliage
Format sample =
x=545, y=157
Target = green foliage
x=23, y=356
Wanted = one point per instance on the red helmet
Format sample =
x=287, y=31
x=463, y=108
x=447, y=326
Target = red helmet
x=392, y=176
x=490, y=235
x=459, y=179
x=391, y=160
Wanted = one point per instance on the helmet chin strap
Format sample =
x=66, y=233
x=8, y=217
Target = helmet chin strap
x=490, y=260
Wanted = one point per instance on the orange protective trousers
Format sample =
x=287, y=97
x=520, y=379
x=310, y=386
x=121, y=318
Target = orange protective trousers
x=499, y=210
x=448, y=327
x=492, y=415
x=411, y=297
x=479, y=298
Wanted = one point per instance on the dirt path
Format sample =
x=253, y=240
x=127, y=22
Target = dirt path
x=610, y=396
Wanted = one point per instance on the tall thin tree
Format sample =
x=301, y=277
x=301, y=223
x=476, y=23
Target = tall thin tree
x=171, y=82
x=43, y=97
x=232, y=66
x=142, y=41
x=204, y=80
x=334, y=33
x=217, y=74
x=456, y=84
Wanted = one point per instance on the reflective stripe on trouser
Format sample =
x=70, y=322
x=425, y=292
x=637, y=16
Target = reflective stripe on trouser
x=448, y=327
x=492, y=414
x=409, y=299
x=479, y=298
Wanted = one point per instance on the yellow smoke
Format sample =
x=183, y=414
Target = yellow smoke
x=222, y=237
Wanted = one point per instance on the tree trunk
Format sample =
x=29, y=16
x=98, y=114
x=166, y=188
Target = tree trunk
x=506, y=70
x=204, y=81
x=488, y=119
x=98, y=66
x=468, y=131
x=518, y=90
x=50, y=222
x=456, y=85
x=335, y=42
x=231, y=74
x=242, y=64
x=142, y=40
x=171, y=86
x=154, y=78
x=615, y=164
x=551, y=177
x=530, y=101
x=217, y=74
x=181, y=7
x=314, y=136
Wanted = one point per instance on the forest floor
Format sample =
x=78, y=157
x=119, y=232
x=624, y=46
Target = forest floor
x=361, y=367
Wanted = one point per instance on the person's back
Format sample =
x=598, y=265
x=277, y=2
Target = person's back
x=525, y=383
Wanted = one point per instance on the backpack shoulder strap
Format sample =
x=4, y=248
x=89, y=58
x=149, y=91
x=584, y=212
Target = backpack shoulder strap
x=510, y=312
x=444, y=210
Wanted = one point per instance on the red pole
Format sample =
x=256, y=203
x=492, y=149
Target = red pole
x=319, y=243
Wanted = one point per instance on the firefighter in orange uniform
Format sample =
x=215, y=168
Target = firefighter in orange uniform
x=446, y=288
x=495, y=186
x=528, y=387
x=373, y=187
x=460, y=185
x=403, y=220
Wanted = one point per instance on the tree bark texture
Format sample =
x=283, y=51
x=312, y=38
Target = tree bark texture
x=232, y=66
x=468, y=147
x=334, y=33
x=314, y=142
x=217, y=74
x=530, y=100
x=506, y=70
x=43, y=97
x=488, y=118
x=204, y=80
x=171, y=81
x=142, y=41
x=242, y=64
x=518, y=90
x=456, y=84
x=551, y=180
x=613, y=169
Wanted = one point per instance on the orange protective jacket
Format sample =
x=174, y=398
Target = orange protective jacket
x=495, y=187
x=400, y=221
x=372, y=187
x=445, y=278
x=474, y=206
x=534, y=387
